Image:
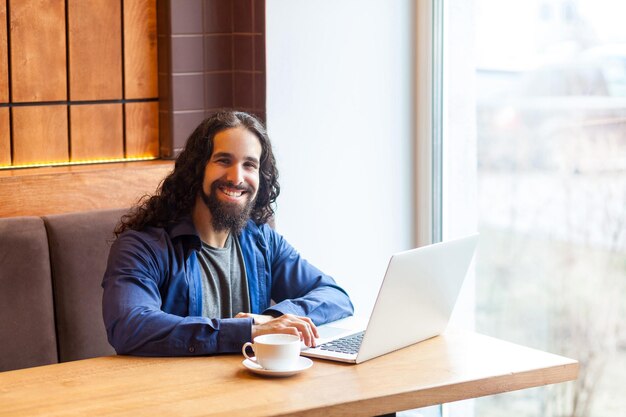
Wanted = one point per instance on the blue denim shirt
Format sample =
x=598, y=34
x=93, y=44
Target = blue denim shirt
x=152, y=301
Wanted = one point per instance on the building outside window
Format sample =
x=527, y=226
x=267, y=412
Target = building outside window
x=542, y=92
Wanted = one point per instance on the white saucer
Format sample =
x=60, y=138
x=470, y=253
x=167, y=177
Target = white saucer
x=303, y=365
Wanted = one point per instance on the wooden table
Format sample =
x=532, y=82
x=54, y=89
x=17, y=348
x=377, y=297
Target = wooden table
x=447, y=368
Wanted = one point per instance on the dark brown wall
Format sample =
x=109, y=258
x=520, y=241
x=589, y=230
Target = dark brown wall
x=211, y=56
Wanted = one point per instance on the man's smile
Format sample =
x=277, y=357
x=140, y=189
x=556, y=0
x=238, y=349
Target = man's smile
x=232, y=192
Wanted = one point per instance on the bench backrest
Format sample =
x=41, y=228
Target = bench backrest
x=27, y=330
x=51, y=271
x=79, y=248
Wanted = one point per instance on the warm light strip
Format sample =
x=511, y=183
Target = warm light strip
x=86, y=162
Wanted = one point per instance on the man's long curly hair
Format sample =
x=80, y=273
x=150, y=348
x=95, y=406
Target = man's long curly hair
x=177, y=193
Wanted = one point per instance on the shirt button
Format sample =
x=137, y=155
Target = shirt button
x=192, y=349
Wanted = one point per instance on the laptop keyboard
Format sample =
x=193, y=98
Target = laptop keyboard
x=349, y=344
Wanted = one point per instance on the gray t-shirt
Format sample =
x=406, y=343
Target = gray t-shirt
x=224, y=281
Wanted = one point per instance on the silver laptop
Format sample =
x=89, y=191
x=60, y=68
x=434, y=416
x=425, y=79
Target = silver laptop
x=414, y=303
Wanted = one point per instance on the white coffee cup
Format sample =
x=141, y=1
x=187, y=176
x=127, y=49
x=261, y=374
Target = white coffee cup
x=274, y=352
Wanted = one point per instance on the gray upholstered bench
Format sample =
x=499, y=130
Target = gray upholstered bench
x=27, y=333
x=50, y=294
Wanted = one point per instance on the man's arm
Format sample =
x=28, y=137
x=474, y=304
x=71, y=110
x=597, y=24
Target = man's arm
x=132, y=303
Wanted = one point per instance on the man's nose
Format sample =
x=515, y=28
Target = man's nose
x=235, y=174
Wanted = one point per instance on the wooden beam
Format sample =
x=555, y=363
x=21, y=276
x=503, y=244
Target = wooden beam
x=142, y=129
x=40, y=134
x=95, y=36
x=38, y=71
x=5, y=137
x=97, y=131
x=55, y=190
x=140, y=49
x=4, y=63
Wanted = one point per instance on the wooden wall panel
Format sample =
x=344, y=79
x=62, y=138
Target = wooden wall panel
x=95, y=30
x=39, y=134
x=5, y=139
x=140, y=49
x=55, y=190
x=97, y=132
x=4, y=63
x=38, y=70
x=142, y=129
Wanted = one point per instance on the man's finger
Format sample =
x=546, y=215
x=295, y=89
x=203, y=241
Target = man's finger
x=313, y=327
x=305, y=330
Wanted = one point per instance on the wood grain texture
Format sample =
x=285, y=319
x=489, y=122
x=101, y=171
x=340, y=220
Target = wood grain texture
x=4, y=61
x=95, y=38
x=142, y=129
x=5, y=137
x=40, y=134
x=38, y=69
x=140, y=49
x=439, y=370
x=56, y=190
x=97, y=132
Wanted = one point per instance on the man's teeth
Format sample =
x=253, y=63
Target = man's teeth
x=232, y=193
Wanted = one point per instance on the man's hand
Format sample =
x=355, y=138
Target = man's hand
x=287, y=323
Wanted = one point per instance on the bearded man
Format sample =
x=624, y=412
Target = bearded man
x=196, y=270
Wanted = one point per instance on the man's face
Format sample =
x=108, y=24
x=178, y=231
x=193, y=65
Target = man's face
x=231, y=178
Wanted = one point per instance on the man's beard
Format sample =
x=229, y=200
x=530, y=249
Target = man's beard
x=228, y=216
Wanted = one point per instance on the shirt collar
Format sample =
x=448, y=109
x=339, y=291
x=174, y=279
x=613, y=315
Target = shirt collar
x=184, y=228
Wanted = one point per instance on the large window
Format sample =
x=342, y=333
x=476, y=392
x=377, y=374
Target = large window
x=549, y=118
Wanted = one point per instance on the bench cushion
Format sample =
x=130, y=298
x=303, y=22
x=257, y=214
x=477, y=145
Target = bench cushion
x=27, y=334
x=79, y=248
